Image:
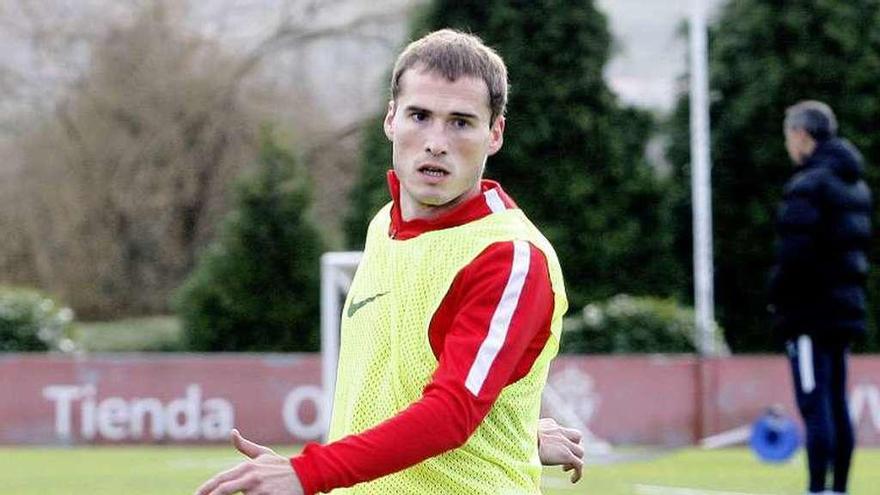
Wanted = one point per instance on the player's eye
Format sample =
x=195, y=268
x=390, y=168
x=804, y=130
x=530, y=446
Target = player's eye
x=419, y=116
x=461, y=123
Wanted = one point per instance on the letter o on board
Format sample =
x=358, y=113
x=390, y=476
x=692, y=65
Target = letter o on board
x=292, y=403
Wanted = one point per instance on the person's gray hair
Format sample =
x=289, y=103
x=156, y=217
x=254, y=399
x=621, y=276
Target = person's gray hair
x=814, y=117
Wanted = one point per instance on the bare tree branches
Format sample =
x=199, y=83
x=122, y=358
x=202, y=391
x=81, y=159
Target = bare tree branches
x=295, y=32
x=131, y=120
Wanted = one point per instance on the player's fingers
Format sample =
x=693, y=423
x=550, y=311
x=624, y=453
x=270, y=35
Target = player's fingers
x=571, y=460
x=576, y=448
x=236, y=485
x=576, y=467
x=577, y=473
x=212, y=484
x=248, y=448
x=571, y=448
x=572, y=434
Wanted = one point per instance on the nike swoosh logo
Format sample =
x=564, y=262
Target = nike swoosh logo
x=355, y=306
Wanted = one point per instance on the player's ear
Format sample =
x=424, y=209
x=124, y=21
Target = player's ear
x=388, y=124
x=496, y=135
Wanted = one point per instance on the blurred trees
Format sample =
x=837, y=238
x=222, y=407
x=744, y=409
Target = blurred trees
x=573, y=159
x=123, y=125
x=370, y=192
x=32, y=321
x=112, y=188
x=257, y=287
x=125, y=179
x=764, y=56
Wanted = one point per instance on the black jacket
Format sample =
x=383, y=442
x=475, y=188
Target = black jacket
x=824, y=230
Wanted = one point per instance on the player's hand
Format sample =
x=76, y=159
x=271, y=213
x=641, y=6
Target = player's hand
x=264, y=473
x=559, y=445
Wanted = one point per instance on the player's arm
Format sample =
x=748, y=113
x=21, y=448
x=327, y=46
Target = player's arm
x=464, y=388
x=268, y=472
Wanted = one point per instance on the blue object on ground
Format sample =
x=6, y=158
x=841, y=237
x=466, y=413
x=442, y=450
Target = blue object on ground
x=775, y=437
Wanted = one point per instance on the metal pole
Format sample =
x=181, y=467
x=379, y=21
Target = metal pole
x=329, y=333
x=334, y=282
x=701, y=188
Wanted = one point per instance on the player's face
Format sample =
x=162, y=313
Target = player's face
x=441, y=136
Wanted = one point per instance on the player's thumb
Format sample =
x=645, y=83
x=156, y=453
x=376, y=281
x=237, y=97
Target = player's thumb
x=247, y=447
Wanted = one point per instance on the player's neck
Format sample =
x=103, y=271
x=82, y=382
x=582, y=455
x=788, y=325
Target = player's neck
x=411, y=209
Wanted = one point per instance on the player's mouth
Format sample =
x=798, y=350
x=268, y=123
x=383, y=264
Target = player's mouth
x=433, y=171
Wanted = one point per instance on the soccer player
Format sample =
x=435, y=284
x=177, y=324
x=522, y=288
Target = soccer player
x=818, y=284
x=453, y=316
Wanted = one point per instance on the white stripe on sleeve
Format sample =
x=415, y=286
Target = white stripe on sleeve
x=500, y=322
x=494, y=201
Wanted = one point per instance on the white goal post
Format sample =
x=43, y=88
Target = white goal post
x=337, y=272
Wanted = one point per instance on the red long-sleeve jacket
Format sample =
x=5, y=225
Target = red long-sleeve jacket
x=447, y=413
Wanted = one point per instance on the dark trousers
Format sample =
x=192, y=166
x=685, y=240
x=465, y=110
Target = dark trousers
x=819, y=372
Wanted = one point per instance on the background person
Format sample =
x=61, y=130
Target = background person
x=817, y=286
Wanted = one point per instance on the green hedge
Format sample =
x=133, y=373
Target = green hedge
x=257, y=287
x=33, y=321
x=629, y=324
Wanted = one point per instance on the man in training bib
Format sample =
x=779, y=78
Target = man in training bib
x=453, y=316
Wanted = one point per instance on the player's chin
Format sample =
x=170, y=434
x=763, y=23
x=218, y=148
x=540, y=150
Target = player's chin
x=435, y=202
x=433, y=198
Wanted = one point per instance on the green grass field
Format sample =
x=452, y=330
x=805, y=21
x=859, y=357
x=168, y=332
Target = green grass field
x=153, y=333
x=169, y=470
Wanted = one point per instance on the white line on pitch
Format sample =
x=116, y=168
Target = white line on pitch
x=674, y=490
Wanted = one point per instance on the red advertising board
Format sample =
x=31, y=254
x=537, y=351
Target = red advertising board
x=275, y=398
x=159, y=398
x=676, y=400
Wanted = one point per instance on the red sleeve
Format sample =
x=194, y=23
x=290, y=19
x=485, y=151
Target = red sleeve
x=487, y=333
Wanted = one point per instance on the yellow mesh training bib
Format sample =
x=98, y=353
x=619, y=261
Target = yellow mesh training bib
x=385, y=358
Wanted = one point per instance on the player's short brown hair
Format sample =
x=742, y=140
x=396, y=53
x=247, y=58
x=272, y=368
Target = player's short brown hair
x=454, y=54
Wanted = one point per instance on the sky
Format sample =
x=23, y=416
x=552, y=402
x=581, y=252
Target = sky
x=650, y=53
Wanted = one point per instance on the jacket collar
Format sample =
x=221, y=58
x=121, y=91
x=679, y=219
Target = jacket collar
x=492, y=199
